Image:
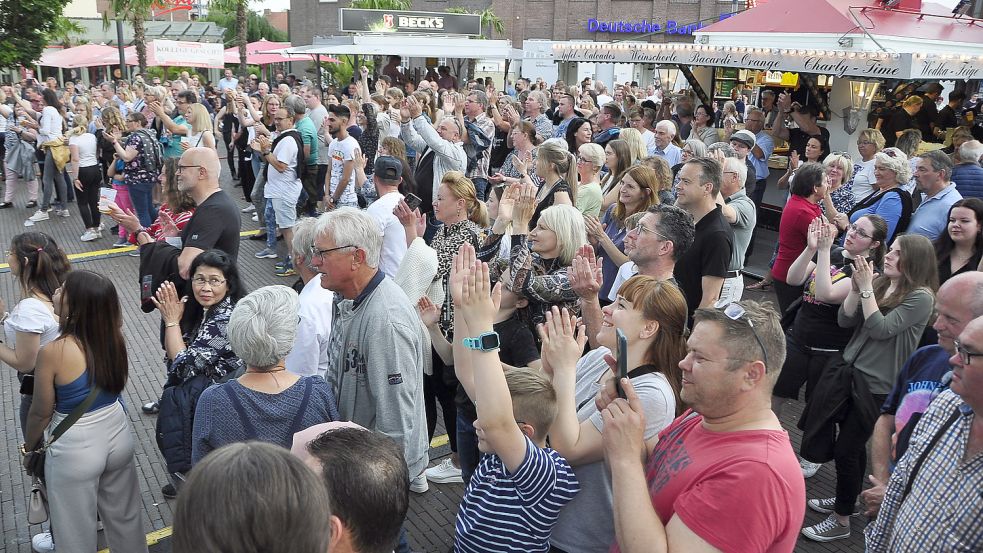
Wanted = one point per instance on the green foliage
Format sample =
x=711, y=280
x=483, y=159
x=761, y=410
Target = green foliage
x=381, y=4
x=24, y=29
x=65, y=32
x=488, y=18
x=340, y=73
x=257, y=28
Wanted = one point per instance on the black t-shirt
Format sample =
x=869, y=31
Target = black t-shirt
x=215, y=224
x=815, y=323
x=926, y=117
x=708, y=256
x=424, y=180
x=499, y=149
x=798, y=138
x=947, y=118
x=898, y=121
x=518, y=350
x=560, y=186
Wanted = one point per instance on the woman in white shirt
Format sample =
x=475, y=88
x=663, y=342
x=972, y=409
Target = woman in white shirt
x=40, y=267
x=869, y=142
x=85, y=175
x=51, y=128
x=202, y=134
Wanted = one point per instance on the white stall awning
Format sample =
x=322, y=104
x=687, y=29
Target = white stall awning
x=409, y=47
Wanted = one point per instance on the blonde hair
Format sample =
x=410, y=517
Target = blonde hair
x=533, y=399
x=593, y=153
x=463, y=189
x=199, y=119
x=843, y=162
x=913, y=100
x=79, y=126
x=872, y=135
x=635, y=144
x=554, y=152
x=112, y=119
x=567, y=222
x=895, y=160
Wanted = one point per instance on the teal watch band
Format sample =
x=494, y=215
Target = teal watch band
x=487, y=341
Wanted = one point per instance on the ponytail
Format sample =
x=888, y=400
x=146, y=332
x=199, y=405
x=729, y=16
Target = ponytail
x=478, y=213
x=572, y=177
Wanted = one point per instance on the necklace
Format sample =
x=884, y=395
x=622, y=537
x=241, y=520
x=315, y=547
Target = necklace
x=275, y=369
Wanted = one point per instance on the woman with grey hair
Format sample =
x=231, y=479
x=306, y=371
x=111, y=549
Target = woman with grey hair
x=266, y=403
x=889, y=199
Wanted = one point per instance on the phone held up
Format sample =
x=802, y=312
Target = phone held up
x=622, y=362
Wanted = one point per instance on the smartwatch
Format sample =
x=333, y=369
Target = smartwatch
x=487, y=341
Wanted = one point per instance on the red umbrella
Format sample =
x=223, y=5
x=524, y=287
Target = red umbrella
x=86, y=55
x=265, y=52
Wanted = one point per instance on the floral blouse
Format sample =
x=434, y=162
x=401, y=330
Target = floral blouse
x=446, y=242
x=208, y=352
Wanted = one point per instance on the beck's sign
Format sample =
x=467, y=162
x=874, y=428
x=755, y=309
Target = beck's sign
x=406, y=22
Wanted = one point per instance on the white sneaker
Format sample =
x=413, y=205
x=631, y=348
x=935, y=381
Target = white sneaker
x=809, y=469
x=102, y=226
x=90, y=235
x=43, y=542
x=39, y=215
x=63, y=213
x=444, y=473
x=419, y=484
x=255, y=218
x=249, y=208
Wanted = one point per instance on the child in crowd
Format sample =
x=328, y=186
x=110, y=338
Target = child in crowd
x=515, y=496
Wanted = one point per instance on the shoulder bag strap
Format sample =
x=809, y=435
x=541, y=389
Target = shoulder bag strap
x=75, y=415
x=298, y=423
x=241, y=411
x=931, y=444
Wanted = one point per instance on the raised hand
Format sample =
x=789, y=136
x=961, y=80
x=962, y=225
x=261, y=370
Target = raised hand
x=563, y=340
x=584, y=274
x=479, y=301
x=525, y=206
x=171, y=306
x=428, y=311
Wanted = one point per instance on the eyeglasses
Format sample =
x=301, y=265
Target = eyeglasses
x=736, y=312
x=965, y=355
x=211, y=282
x=843, y=154
x=321, y=253
x=859, y=231
x=639, y=228
x=182, y=167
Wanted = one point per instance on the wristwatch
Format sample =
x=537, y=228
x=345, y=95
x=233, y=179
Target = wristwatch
x=487, y=341
x=866, y=294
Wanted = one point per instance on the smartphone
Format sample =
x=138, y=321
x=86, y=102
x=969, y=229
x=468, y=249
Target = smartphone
x=413, y=201
x=622, y=362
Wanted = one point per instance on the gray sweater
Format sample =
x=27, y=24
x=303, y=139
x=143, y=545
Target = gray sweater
x=376, y=357
x=885, y=340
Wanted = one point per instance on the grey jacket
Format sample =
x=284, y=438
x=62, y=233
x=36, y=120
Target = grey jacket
x=376, y=357
x=448, y=156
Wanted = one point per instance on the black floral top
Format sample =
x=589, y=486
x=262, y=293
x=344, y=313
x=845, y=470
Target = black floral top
x=446, y=242
x=208, y=352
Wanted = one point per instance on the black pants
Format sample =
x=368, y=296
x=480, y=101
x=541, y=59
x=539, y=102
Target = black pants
x=757, y=196
x=786, y=295
x=246, y=177
x=88, y=197
x=803, y=365
x=436, y=389
x=230, y=149
x=850, y=455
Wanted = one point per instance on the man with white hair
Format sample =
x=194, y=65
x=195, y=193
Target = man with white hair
x=738, y=209
x=310, y=353
x=377, y=343
x=665, y=131
x=967, y=173
x=535, y=112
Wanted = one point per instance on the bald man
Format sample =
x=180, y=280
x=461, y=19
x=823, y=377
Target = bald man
x=215, y=223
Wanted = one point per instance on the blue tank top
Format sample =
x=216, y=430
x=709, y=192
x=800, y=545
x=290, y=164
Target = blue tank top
x=69, y=396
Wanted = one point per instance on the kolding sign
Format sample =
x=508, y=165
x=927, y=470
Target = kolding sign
x=405, y=22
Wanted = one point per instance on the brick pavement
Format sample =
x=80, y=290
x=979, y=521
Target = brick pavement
x=431, y=517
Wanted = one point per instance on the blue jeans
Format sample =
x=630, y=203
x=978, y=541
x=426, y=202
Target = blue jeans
x=404, y=542
x=142, y=196
x=481, y=188
x=467, y=448
x=270, y=215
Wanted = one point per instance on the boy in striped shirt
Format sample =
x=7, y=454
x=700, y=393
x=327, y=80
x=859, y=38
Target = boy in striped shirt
x=515, y=496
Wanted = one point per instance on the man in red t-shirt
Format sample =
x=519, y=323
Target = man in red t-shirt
x=723, y=476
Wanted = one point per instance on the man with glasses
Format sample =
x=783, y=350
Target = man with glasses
x=939, y=193
x=177, y=126
x=438, y=150
x=377, y=343
x=703, y=268
x=933, y=500
x=959, y=301
x=724, y=471
x=286, y=159
x=740, y=213
x=471, y=109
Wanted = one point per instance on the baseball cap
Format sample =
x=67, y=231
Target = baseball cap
x=388, y=168
x=744, y=137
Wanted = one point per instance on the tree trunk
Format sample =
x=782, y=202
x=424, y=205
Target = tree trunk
x=241, y=36
x=140, y=40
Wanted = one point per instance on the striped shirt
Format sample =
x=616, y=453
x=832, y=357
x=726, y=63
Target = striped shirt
x=945, y=506
x=515, y=512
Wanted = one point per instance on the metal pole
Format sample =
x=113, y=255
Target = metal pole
x=119, y=47
x=320, y=87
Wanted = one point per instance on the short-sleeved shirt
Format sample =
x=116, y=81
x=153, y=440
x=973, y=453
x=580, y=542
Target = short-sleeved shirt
x=393, y=235
x=589, y=199
x=898, y=121
x=135, y=170
x=30, y=316
x=916, y=386
x=798, y=138
x=284, y=185
x=743, y=227
x=617, y=233
x=792, y=233
x=173, y=146
x=514, y=512
x=309, y=133
x=738, y=491
x=341, y=151
x=215, y=224
x=708, y=256
x=764, y=141
x=815, y=322
x=931, y=217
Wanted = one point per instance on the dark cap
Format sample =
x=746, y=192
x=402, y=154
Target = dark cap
x=341, y=110
x=388, y=168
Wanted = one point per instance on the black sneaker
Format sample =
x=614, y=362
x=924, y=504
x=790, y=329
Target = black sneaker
x=5, y=205
x=169, y=491
x=31, y=204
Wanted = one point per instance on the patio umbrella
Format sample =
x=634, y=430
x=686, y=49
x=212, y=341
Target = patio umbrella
x=192, y=57
x=86, y=55
x=265, y=52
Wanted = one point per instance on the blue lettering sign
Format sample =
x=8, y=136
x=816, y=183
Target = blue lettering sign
x=643, y=26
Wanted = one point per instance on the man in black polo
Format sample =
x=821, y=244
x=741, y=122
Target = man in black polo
x=702, y=269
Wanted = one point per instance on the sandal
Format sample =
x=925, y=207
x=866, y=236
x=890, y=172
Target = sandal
x=760, y=286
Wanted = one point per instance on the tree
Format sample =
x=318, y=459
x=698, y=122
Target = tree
x=489, y=19
x=64, y=32
x=241, y=9
x=24, y=26
x=137, y=12
x=257, y=27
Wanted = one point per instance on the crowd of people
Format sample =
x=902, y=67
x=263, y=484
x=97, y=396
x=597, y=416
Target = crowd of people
x=559, y=270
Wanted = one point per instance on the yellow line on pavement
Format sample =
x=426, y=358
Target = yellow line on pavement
x=439, y=440
x=153, y=538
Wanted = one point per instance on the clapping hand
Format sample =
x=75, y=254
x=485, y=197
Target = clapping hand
x=428, y=311
x=584, y=274
x=525, y=206
x=784, y=101
x=167, y=224
x=793, y=160
x=595, y=230
x=863, y=274
x=458, y=104
x=563, y=340
x=413, y=221
x=171, y=306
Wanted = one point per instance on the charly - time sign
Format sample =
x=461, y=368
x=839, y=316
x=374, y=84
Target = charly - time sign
x=404, y=22
x=837, y=63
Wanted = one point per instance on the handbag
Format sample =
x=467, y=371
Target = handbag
x=37, y=504
x=34, y=459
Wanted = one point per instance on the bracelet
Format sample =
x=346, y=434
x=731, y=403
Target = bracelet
x=169, y=325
